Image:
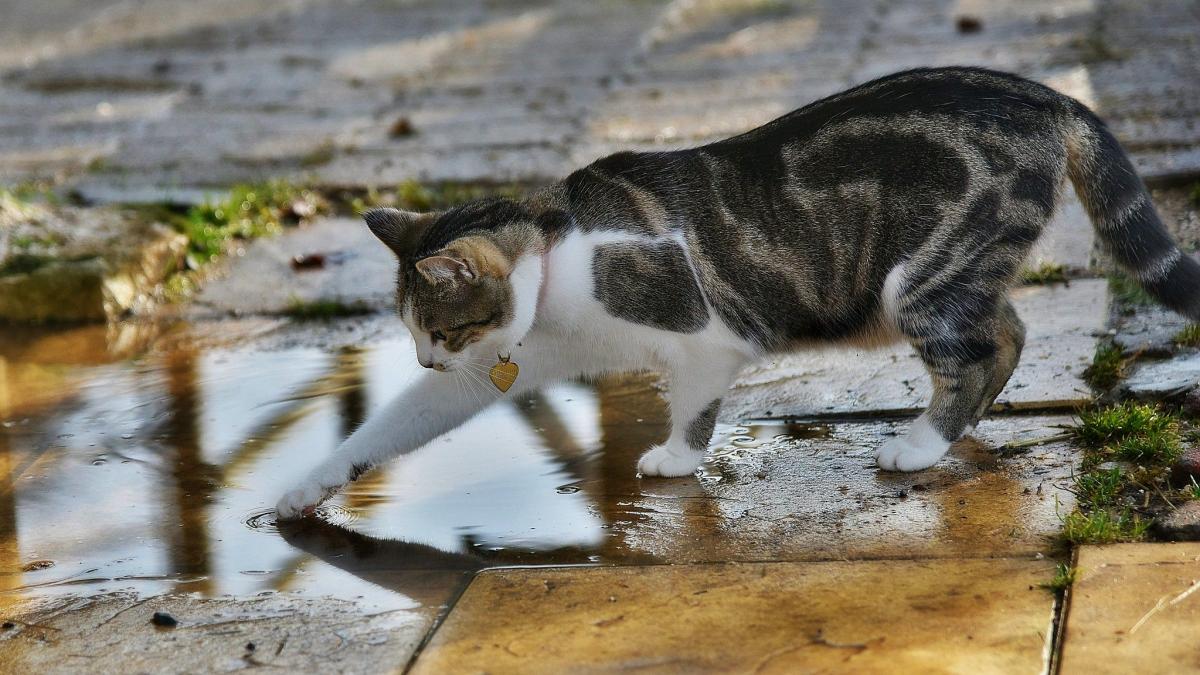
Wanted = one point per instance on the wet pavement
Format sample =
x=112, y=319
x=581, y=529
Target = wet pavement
x=112, y=95
x=150, y=473
x=139, y=460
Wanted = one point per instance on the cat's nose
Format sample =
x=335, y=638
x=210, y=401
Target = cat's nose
x=439, y=366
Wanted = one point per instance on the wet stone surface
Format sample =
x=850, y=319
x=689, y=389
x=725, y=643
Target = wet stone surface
x=1162, y=379
x=1134, y=607
x=354, y=269
x=1150, y=331
x=939, y=616
x=1182, y=524
x=182, y=453
x=118, y=632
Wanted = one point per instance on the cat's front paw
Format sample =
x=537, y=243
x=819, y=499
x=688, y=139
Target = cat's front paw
x=661, y=461
x=302, y=501
x=901, y=454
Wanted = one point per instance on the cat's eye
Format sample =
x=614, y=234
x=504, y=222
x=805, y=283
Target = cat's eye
x=437, y=336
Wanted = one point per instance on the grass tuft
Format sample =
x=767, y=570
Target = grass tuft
x=1064, y=578
x=1100, y=487
x=1193, y=490
x=322, y=310
x=1108, y=367
x=1189, y=336
x=1102, y=526
x=1046, y=273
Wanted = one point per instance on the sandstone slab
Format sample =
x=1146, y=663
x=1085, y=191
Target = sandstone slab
x=978, y=616
x=1134, y=607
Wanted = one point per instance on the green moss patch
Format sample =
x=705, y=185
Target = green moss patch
x=1064, y=578
x=1189, y=336
x=417, y=196
x=317, y=310
x=1108, y=367
x=245, y=213
x=1046, y=273
x=1128, y=292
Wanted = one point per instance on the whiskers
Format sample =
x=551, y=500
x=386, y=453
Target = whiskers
x=474, y=376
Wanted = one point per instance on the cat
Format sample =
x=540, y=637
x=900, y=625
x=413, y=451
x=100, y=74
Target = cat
x=901, y=209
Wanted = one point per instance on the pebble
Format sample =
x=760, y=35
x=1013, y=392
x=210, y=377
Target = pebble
x=163, y=619
x=1187, y=466
x=1164, y=379
x=1182, y=524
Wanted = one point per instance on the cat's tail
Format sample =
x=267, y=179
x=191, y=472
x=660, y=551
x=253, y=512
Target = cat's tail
x=1124, y=217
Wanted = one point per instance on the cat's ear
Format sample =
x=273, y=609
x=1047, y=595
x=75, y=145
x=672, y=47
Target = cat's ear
x=399, y=230
x=442, y=269
x=481, y=255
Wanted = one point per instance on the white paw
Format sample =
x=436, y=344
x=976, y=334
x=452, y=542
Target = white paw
x=919, y=449
x=901, y=454
x=301, y=501
x=660, y=461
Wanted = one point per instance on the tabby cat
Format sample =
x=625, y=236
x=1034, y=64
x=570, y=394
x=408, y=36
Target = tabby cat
x=902, y=208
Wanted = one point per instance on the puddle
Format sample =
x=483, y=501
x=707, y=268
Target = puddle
x=157, y=473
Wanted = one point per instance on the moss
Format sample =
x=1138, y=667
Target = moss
x=1103, y=526
x=1108, y=367
x=23, y=263
x=1194, y=194
x=1098, y=429
x=1159, y=446
x=30, y=191
x=1064, y=578
x=1128, y=292
x=249, y=211
x=1189, y=336
x=416, y=196
x=1046, y=273
x=324, y=309
x=320, y=155
x=1093, y=48
x=246, y=212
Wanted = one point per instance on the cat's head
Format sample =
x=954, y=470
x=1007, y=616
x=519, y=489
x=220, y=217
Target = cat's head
x=468, y=280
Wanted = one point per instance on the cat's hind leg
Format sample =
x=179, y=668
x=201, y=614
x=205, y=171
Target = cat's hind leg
x=970, y=344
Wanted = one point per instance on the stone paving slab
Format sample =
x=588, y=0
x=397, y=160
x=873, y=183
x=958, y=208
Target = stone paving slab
x=1134, y=608
x=1062, y=325
x=113, y=633
x=73, y=264
x=974, y=616
x=358, y=270
x=169, y=94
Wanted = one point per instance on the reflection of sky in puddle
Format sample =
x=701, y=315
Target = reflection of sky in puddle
x=153, y=468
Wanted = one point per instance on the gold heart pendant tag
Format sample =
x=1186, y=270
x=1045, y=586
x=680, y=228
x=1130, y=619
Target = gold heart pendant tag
x=503, y=374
